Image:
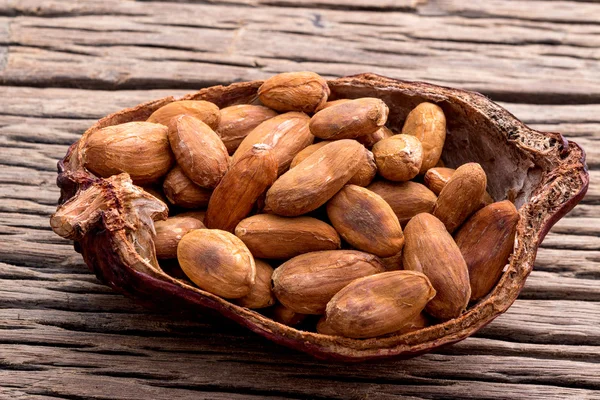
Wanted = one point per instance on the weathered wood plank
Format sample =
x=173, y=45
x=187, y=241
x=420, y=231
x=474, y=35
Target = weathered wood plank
x=536, y=9
x=85, y=281
x=484, y=346
x=160, y=368
x=16, y=251
x=46, y=195
x=579, y=225
x=569, y=12
x=123, y=334
x=18, y=394
x=27, y=207
x=584, y=210
x=27, y=176
x=484, y=53
x=28, y=296
x=70, y=383
x=153, y=354
x=571, y=263
x=555, y=114
x=21, y=220
x=568, y=240
x=87, y=7
x=593, y=193
x=73, y=104
x=532, y=321
x=40, y=157
x=542, y=285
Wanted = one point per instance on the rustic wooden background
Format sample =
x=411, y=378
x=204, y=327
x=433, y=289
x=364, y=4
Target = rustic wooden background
x=64, y=64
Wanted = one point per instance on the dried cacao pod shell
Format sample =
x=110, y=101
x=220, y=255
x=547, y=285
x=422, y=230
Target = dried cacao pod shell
x=112, y=220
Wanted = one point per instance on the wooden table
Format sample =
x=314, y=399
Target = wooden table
x=64, y=64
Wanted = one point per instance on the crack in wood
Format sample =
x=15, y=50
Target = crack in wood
x=109, y=352
x=49, y=48
x=136, y=375
x=87, y=29
x=6, y=366
x=42, y=13
x=54, y=395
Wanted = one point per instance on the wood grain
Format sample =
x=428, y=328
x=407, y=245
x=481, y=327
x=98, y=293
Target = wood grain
x=64, y=64
x=114, y=44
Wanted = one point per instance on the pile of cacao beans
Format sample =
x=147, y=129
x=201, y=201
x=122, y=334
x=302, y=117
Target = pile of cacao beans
x=298, y=205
